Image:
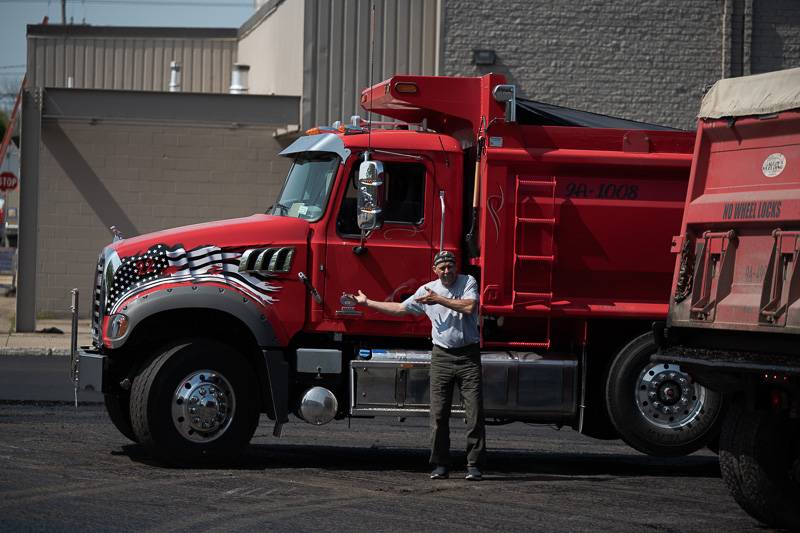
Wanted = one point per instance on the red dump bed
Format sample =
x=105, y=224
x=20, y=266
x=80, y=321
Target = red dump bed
x=574, y=221
x=740, y=238
x=577, y=221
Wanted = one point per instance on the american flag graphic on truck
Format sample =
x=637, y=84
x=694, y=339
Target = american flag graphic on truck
x=161, y=265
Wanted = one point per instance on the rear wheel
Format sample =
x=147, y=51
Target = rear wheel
x=118, y=409
x=657, y=407
x=760, y=463
x=196, y=401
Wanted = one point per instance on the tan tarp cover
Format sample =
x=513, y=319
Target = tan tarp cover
x=753, y=95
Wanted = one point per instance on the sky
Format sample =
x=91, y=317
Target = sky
x=15, y=15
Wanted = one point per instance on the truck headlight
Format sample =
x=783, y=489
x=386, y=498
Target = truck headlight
x=117, y=326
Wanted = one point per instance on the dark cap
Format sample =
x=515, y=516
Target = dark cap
x=444, y=257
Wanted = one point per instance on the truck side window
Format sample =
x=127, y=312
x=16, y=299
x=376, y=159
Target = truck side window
x=405, y=197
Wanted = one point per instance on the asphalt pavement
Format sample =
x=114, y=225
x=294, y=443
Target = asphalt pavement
x=68, y=469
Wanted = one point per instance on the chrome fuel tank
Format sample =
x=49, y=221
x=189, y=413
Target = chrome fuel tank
x=516, y=385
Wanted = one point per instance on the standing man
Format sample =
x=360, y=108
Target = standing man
x=451, y=303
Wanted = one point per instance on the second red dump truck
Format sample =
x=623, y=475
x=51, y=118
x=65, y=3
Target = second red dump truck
x=199, y=330
x=734, y=318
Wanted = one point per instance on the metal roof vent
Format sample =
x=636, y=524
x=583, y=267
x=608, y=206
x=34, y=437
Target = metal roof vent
x=174, y=77
x=239, y=78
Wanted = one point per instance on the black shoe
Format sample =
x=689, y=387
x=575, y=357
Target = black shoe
x=473, y=474
x=440, y=472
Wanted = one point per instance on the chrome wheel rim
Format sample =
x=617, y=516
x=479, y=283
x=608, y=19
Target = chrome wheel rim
x=203, y=406
x=668, y=398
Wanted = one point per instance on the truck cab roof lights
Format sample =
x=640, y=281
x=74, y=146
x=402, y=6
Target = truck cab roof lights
x=405, y=87
x=316, y=130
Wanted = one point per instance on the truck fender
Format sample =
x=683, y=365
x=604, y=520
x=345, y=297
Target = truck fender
x=227, y=300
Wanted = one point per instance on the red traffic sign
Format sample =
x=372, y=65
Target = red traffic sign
x=8, y=181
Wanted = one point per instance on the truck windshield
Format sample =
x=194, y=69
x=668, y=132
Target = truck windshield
x=307, y=186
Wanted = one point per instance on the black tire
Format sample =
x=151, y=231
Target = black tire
x=212, y=377
x=118, y=409
x=657, y=408
x=762, y=465
x=729, y=445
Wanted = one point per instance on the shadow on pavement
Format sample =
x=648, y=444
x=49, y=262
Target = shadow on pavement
x=503, y=464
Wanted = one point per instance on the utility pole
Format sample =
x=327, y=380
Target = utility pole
x=64, y=12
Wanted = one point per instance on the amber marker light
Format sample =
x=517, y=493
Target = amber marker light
x=117, y=326
x=405, y=87
x=313, y=131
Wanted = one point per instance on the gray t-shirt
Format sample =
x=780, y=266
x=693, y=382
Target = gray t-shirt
x=449, y=329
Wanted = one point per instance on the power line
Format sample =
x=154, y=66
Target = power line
x=11, y=66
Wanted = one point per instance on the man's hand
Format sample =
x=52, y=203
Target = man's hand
x=429, y=299
x=360, y=298
x=466, y=307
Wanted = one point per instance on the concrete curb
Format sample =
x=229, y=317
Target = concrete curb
x=51, y=403
x=34, y=352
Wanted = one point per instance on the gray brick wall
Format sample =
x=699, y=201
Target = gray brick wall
x=645, y=60
x=160, y=176
x=776, y=35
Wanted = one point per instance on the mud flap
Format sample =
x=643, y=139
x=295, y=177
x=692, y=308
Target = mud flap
x=278, y=376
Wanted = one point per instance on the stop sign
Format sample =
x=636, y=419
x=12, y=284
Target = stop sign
x=8, y=181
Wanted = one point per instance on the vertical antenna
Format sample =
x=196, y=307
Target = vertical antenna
x=371, y=63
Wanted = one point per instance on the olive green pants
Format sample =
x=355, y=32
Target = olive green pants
x=449, y=368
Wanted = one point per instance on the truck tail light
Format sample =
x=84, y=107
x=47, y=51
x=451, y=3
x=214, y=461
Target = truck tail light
x=777, y=400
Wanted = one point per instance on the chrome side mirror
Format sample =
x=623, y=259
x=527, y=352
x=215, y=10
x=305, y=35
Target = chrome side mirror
x=370, y=195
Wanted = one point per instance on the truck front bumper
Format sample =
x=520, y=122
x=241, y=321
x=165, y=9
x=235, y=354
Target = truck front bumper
x=87, y=364
x=88, y=370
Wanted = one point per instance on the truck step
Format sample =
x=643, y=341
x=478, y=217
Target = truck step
x=535, y=258
x=540, y=221
x=517, y=345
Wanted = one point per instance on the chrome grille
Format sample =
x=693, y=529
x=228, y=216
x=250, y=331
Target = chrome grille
x=267, y=260
x=98, y=301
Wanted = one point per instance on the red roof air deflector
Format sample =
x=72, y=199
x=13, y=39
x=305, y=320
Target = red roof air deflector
x=448, y=103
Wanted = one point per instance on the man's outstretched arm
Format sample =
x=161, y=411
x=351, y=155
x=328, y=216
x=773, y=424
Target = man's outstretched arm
x=389, y=308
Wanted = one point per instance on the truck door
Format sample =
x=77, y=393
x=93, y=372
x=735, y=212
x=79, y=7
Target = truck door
x=397, y=257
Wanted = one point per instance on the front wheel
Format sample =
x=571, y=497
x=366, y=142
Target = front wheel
x=657, y=408
x=119, y=411
x=196, y=401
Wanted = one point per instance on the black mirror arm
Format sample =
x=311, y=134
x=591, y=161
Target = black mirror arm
x=361, y=249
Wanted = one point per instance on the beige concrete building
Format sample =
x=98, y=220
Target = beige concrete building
x=130, y=58
x=140, y=161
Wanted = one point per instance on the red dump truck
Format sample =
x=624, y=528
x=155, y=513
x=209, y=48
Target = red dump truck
x=569, y=215
x=734, y=318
